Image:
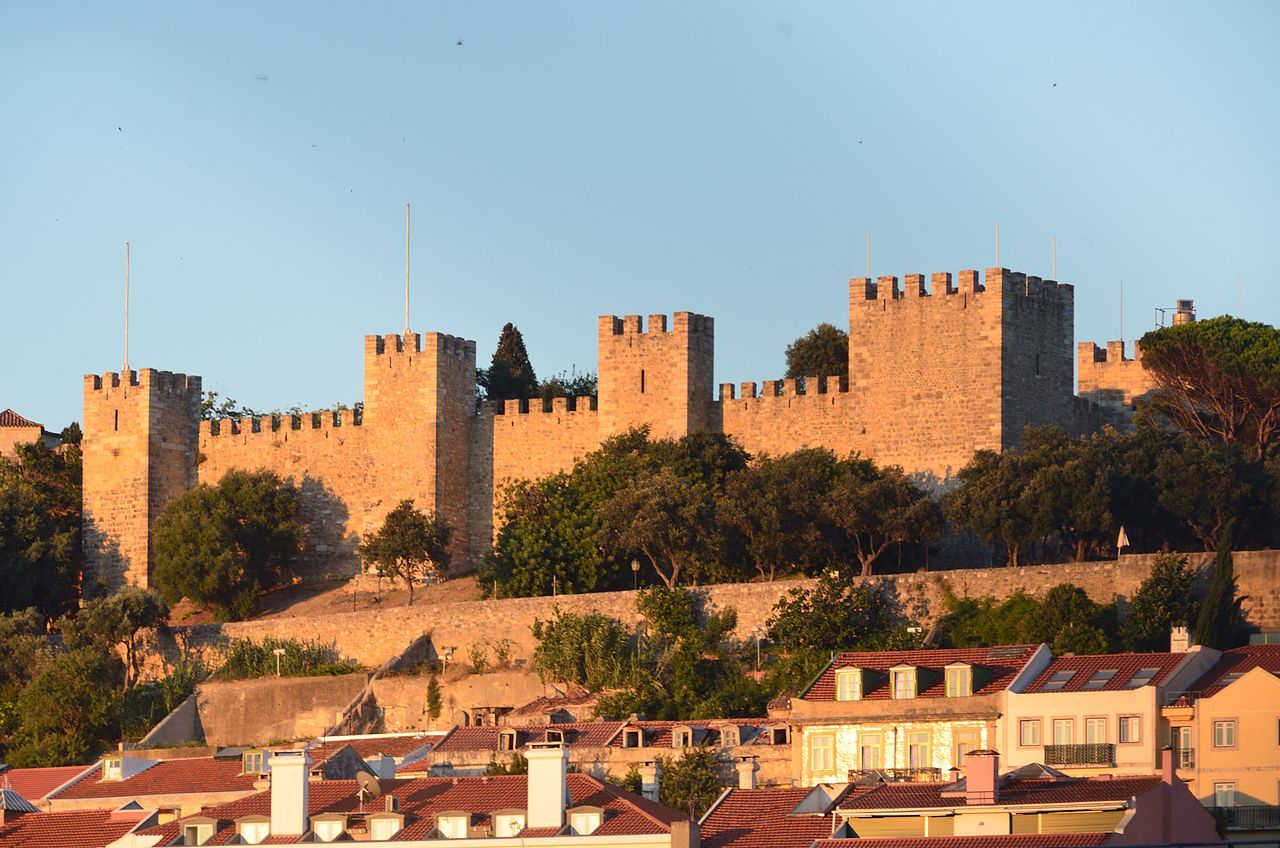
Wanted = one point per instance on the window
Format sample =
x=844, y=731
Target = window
x=641, y=381
x=555, y=736
x=633, y=738
x=779, y=736
x=254, y=832
x=1224, y=734
x=849, y=684
x=1064, y=731
x=585, y=822
x=1029, y=732
x=918, y=750
x=1142, y=677
x=112, y=769
x=196, y=834
x=959, y=682
x=682, y=738
x=871, y=751
x=327, y=830
x=966, y=741
x=507, y=741
x=1100, y=678
x=904, y=684
x=507, y=824
x=1057, y=680
x=1224, y=794
x=1131, y=729
x=251, y=762
x=452, y=827
x=730, y=736
x=1095, y=731
x=382, y=829
x=822, y=752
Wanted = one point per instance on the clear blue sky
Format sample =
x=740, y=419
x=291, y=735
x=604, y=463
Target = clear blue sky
x=576, y=159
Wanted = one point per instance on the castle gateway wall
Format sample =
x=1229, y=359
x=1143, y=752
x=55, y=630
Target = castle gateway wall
x=935, y=373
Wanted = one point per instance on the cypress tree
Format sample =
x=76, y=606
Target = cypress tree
x=510, y=374
x=1216, y=625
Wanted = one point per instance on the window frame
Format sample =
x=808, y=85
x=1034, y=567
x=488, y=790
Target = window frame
x=1124, y=721
x=871, y=742
x=914, y=745
x=960, y=678
x=826, y=744
x=908, y=676
x=1063, y=722
x=1025, y=724
x=852, y=676
x=1094, y=722
x=1228, y=724
x=958, y=757
x=1230, y=791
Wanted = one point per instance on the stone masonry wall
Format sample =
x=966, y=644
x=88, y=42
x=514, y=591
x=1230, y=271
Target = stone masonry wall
x=1107, y=377
x=661, y=377
x=371, y=637
x=789, y=415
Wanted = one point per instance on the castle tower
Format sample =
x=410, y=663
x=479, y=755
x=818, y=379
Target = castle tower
x=942, y=371
x=658, y=377
x=419, y=395
x=140, y=447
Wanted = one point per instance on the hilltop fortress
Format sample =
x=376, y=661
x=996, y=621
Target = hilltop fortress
x=936, y=372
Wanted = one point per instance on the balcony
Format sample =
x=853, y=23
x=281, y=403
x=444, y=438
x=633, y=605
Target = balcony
x=1261, y=817
x=896, y=775
x=1092, y=754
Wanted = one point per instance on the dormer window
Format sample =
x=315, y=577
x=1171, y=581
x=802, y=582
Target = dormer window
x=383, y=826
x=633, y=737
x=849, y=684
x=730, y=736
x=113, y=769
x=453, y=825
x=254, y=830
x=197, y=833
x=959, y=681
x=555, y=736
x=327, y=828
x=584, y=821
x=507, y=740
x=682, y=737
x=778, y=735
x=904, y=683
x=252, y=762
x=508, y=823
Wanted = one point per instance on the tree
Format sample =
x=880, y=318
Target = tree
x=775, y=504
x=435, y=704
x=518, y=765
x=410, y=544
x=40, y=552
x=214, y=407
x=838, y=614
x=1065, y=619
x=510, y=374
x=1218, y=379
x=877, y=508
x=568, y=384
x=821, y=352
x=669, y=520
x=1164, y=600
x=115, y=621
x=692, y=782
x=69, y=711
x=220, y=546
x=1216, y=624
x=1210, y=487
x=589, y=649
x=991, y=499
x=1070, y=622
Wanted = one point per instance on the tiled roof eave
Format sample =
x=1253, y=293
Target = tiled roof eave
x=1057, y=807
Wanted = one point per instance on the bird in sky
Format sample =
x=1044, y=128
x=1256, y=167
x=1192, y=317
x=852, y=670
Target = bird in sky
x=459, y=42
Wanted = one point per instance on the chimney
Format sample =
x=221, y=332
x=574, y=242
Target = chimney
x=290, y=776
x=982, y=777
x=650, y=775
x=548, y=786
x=1179, y=640
x=747, y=769
x=1168, y=772
x=392, y=804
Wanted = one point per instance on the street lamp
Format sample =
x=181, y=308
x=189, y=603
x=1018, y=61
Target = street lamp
x=635, y=574
x=759, y=633
x=279, y=652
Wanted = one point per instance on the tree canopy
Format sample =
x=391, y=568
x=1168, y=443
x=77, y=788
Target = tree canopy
x=40, y=555
x=821, y=352
x=409, y=545
x=115, y=621
x=221, y=545
x=510, y=374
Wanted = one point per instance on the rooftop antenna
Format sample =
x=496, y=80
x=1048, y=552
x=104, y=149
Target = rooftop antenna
x=1122, y=319
x=997, y=244
x=126, y=311
x=368, y=785
x=1054, y=240
x=868, y=254
x=406, y=270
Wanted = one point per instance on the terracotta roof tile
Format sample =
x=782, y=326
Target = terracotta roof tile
x=1237, y=661
x=761, y=818
x=1037, y=840
x=9, y=418
x=897, y=796
x=166, y=777
x=1125, y=666
x=72, y=829
x=582, y=734
x=391, y=746
x=1001, y=664
x=35, y=783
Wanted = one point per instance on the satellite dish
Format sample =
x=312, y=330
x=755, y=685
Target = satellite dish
x=369, y=784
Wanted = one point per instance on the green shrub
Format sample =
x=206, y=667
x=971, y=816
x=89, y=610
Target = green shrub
x=246, y=659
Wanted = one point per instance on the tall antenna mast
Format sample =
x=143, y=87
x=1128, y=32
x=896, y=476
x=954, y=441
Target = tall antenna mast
x=997, y=244
x=126, y=311
x=406, y=270
x=1122, y=319
x=868, y=254
x=1054, y=239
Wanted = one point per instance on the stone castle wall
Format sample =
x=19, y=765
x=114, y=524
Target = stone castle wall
x=934, y=374
x=1109, y=378
x=373, y=636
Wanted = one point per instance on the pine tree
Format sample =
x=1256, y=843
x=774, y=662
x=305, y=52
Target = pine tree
x=510, y=374
x=1215, y=628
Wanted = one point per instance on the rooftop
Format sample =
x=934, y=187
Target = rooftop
x=1030, y=840
x=9, y=418
x=763, y=818
x=1001, y=664
x=75, y=829
x=1105, y=672
x=166, y=777
x=1013, y=791
x=1233, y=664
x=35, y=783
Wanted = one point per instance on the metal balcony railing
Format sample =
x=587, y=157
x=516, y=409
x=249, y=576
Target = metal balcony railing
x=1089, y=754
x=1259, y=817
x=896, y=775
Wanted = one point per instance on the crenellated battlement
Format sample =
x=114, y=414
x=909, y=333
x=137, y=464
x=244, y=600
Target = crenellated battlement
x=688, y=323
x=789, y=388
x=168, y=382
x=441, y=343
x=325, y=419
x=1090, y=353
x=535, y=406
x=941, y=286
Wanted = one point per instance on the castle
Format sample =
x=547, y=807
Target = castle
x=935, y=373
